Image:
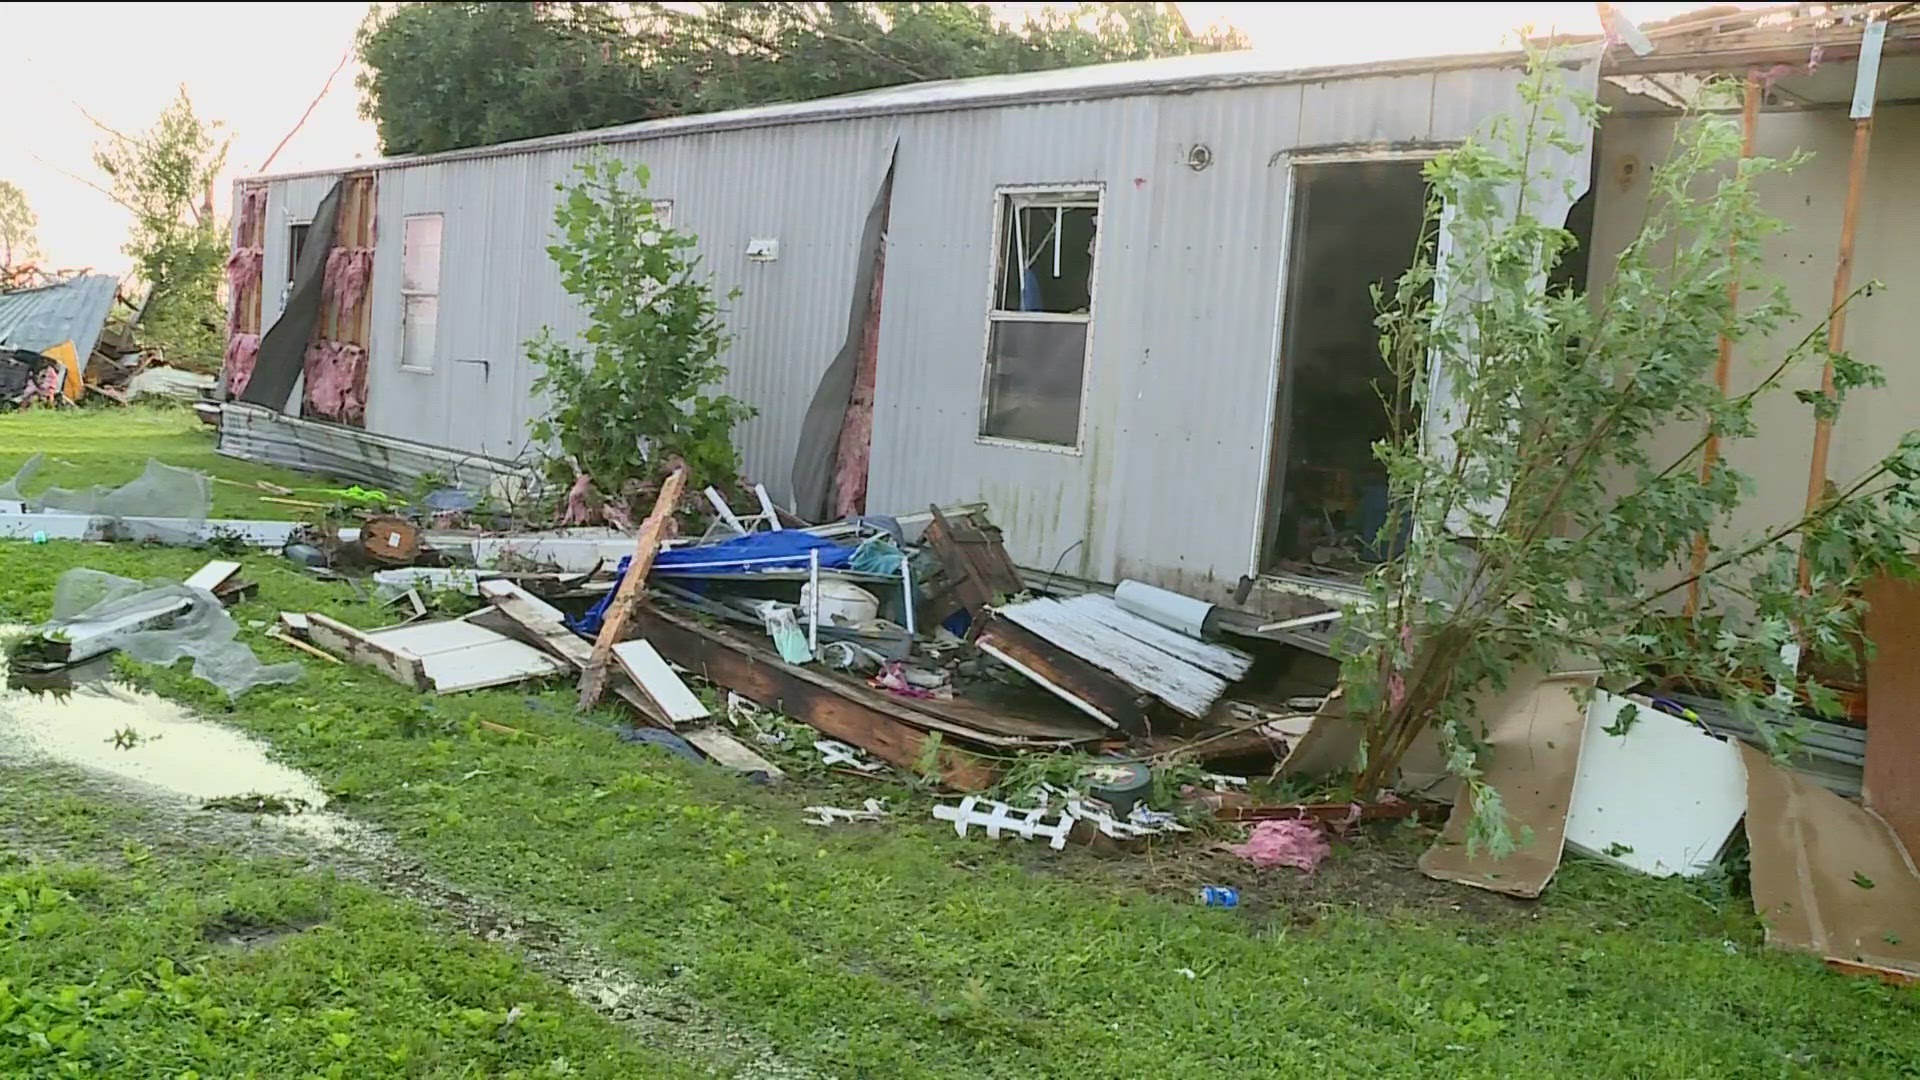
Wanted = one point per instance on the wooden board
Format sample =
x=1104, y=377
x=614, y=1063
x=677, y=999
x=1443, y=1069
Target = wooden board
x=633, y=587
x=1087, y=688
x=650, y=673
x=845, y=711
x=1892, y=785
x=724, y=749
x=354, y=646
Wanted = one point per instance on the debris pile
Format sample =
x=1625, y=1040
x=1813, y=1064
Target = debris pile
x=912, y=647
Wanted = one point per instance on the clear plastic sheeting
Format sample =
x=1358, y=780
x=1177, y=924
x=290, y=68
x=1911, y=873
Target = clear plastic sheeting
x=94, y=601
x=160, y=491
x=163, y=491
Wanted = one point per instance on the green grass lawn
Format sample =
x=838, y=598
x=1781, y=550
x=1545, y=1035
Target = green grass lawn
x=900, y=950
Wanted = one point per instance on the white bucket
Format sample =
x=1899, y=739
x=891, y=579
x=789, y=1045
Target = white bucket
x=842, y=603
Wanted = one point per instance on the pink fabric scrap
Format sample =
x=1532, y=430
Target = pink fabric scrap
x=893, y=677
x=345, y=280
x=1294, y=842
x=336, y=382
x=242, y=350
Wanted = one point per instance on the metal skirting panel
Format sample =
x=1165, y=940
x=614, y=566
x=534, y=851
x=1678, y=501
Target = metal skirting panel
x=256, y=434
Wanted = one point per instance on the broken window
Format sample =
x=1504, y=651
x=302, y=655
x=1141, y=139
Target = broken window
x=1354, y=225
x=420, y=291
x=296, y=243
x=1042, y=308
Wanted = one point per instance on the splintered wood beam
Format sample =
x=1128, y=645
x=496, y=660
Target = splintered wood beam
x=593, y=679
x=843, y=710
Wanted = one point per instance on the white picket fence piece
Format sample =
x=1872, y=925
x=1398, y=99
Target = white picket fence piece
x=871, y=810
x=997, y=818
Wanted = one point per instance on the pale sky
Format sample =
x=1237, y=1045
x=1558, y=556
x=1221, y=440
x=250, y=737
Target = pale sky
x=256, y=68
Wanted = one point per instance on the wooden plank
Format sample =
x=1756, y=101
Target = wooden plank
x=655, y=679
x=213, y=575
x=842, y=710
x=593, y=678
x=1073, y=680
x=342, y=640
x=726, y=750
x=1892, y=785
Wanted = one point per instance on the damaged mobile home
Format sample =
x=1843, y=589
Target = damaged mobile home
x=1124, y=305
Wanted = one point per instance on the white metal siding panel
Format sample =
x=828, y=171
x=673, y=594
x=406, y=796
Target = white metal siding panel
x=288, y=203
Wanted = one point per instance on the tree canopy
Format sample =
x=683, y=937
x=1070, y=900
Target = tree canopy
x=441, y=76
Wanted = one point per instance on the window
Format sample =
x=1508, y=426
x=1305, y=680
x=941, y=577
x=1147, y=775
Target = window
x=1042, y=308
x=296, y=243
x=420, y=291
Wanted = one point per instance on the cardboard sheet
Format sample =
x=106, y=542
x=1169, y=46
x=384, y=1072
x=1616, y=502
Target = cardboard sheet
x=1829, y=876
x=1662, y=798
x=1534, y=731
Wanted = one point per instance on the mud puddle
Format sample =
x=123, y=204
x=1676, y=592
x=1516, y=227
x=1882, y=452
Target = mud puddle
x=78, y=717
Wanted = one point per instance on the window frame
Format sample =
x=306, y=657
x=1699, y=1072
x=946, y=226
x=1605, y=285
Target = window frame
x=407, y=294
x=1092, y=193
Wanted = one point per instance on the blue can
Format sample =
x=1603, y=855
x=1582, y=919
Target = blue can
x=1220, y=896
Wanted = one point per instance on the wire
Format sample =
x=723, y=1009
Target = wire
x=1048, y=586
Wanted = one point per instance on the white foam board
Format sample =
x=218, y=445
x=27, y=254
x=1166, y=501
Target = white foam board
x=1661, y=799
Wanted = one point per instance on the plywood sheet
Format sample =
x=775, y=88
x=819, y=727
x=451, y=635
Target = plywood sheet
x=1533, y=735
x=1661, y=798
x=1829, y=876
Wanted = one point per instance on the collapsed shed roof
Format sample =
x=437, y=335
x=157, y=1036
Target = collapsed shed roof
x=72, y=310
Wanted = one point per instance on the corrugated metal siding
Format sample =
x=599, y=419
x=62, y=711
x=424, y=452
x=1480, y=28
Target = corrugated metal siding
x=73, y=310
x=1167, y=484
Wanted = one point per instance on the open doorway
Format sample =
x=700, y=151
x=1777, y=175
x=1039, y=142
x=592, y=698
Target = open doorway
x=1354, y=225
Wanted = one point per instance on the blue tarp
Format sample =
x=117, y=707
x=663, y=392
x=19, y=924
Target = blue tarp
x=742, y=555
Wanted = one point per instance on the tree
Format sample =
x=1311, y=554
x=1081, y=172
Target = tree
x=164, y=177
x=18, y=243
x=633, y=396
x=1582, y=540
x=440, y=76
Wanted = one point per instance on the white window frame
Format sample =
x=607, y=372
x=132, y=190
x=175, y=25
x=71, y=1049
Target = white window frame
x=408, y=294
x=1095, y=192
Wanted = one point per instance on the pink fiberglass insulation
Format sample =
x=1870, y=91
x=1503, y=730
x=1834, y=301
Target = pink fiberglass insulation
x=243, y=276
x=253, y=211
x=1294, y=842
x=241, y=351
x=345, y=281
x=577, y=511
x=336, y=382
